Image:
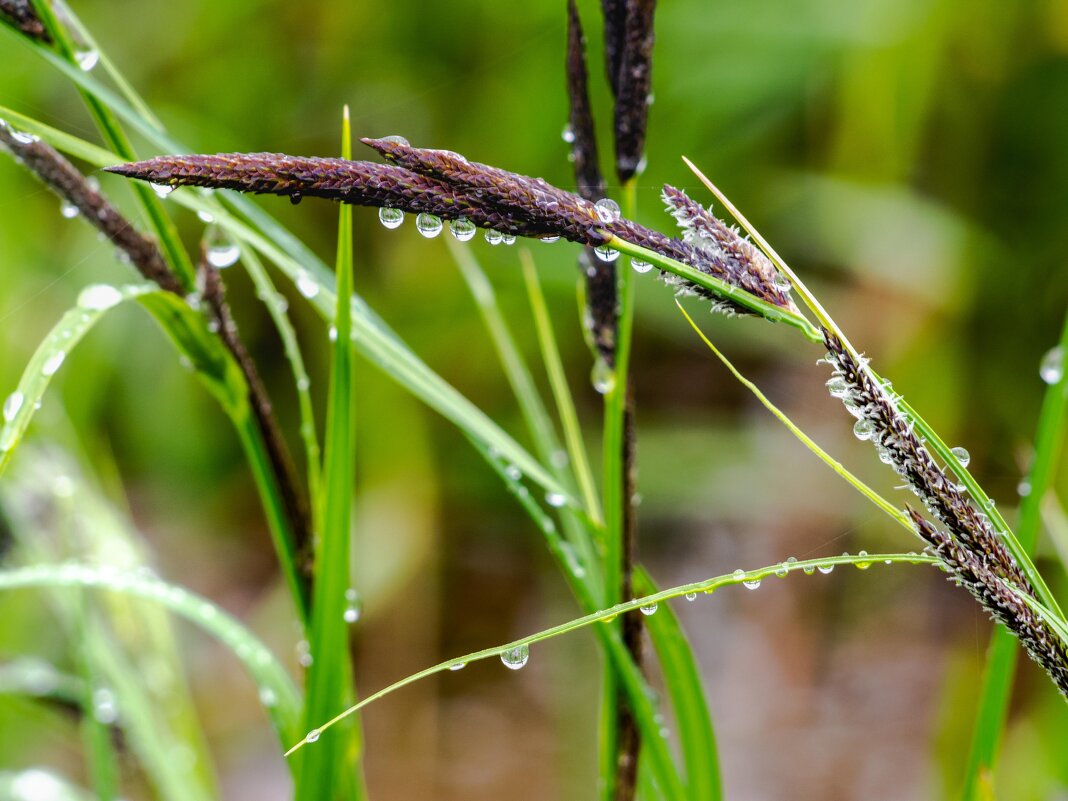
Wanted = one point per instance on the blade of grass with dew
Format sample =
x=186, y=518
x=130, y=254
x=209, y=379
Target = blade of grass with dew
x=1003, y=651
x=266, y=672
x=707, y=586
x=330, y=682
x=682, y=682
x=884, y=505
x=101, y=760
x=373, y=337
x=214, y=367
x=932, y=439
x=115, y=136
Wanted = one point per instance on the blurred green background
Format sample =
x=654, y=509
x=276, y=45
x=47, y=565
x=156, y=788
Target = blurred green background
x=908, y=157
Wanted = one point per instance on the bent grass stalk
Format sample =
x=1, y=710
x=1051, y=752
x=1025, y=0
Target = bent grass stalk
x=750, y=577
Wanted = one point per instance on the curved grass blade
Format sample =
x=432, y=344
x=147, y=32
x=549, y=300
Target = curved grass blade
x=277, y=692
x=1003, y=651
x=807, y=566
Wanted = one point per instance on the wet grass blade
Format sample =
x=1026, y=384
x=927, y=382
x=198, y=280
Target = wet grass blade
x=1003, y=651
x=330, y=680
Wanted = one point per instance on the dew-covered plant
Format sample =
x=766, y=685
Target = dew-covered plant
x=590, y=534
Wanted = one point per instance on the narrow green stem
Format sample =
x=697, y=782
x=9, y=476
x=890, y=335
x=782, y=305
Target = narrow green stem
x=1003, y=651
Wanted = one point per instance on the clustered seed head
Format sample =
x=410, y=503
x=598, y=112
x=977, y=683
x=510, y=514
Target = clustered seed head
x=969, y=548
x=633, y=86
x=21, y=14
x=1001, y=599
x=447, y=185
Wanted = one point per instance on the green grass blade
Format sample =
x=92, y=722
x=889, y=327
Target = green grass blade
x=268, y=674
x=329, y=676
x=101, y=759
x=696, y=588
x=682, y=681
x=1003, y=651
x=565, y=403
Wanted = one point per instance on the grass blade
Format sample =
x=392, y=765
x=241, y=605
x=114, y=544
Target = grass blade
x=329, y=676
x=1003, y=651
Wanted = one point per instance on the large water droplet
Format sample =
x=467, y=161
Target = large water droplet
x=751, y=584
x=391, y=218
x=640, y=266
x=838, y=386
x=607, y=210
x=605, y=253
x=428, y=225
x=507, y=239
x=863, y=428
x=306, y=285
x=221, y=251
x=825, y=569
x=162, y=190
x=457, y=666
x=961, y=455
x=550, y=238
x=68, y=210
x=87, y=59
x=865, y=564
x=691, y=596
x=313, y=736
x=493, y=237
x=568, y=134
x=12, y=405
x=53, y=363
x=515, y=658
x=602, y=376
x=1052, y=366
x=396, y=140
x=463, y=229
x=205, y=216
x=648, y=609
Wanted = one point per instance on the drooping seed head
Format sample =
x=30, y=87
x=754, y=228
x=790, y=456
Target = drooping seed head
x=21, y=15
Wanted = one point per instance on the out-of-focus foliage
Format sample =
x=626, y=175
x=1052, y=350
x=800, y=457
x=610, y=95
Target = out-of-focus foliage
x=906, y=156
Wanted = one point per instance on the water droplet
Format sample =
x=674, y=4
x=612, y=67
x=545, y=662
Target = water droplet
x=515, y=658
x=428, y=225
x=37, y=785
x=87, y=59
x=808, y=570
x=391, y=218
x=838, y=386
x=1023, y=489
x=313, y=736
x=396, y=140
x=105, y=710
x=295, y=198
x=649, y=609
x=304, y=657
x=53, y=363
x=550, y=238
x=640, y=266
x=825, y=569
x=737, y=574
x=205, y=216
x=568, y=134
x=605, y=253
x=306, y=285
x=752, y=584
x=221, y=250
x=12, y=405
x=457, y=666
x=1052, y=366
x=781, y=570
x=98, y=297
x=507, y=239
x=691, y=596
x=863, y=428
x=267, y=697
x=353, y=605
x=559, y=458
x=493, y=237
x=865, y=564
x=333, y=333
x=607, y=210
x=961, y=455
x=463, y=229
x=513, y=472
x=602, y=376
x=555, y=499
x=162, y=190
x=24, y=137
x=68, y=210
